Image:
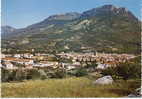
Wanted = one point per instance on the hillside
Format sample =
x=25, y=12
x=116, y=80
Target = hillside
x=7, y=30
x=106, y=28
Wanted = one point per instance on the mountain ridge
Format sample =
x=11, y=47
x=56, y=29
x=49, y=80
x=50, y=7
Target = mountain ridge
x=103, y=28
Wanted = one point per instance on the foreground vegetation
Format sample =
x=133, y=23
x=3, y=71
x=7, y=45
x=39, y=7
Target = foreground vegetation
x=68, y=87
x=128, y=70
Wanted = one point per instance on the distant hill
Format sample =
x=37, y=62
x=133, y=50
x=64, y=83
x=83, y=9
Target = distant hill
x=106, y=28
x=59, y=19
x=7, y=30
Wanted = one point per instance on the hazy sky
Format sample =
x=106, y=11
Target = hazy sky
x=21, y=13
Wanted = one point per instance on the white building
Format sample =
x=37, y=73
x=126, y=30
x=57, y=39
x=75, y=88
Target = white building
x=2, y=56
x=102, y=66
x=46, y=64
x=9, y=65
x=17, y=55
x=27, y=55
x=70, y=67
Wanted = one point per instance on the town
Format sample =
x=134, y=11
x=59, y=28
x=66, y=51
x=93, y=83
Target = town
x=67, y=61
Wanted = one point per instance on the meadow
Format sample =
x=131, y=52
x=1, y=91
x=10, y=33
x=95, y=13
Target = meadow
x=68, y=87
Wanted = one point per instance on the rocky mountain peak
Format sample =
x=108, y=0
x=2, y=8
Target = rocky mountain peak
x=109, y=9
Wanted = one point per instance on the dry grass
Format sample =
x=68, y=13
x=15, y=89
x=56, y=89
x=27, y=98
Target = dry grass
x=69, y=87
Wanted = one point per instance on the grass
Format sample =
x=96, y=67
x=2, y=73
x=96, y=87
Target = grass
x=68, y=87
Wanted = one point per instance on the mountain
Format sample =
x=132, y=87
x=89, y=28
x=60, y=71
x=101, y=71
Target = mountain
x=54, y=20
x=108, y=9
x=106, y=28
x=59, y=19
x=7, y=29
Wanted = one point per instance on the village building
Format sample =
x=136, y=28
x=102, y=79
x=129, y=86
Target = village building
x=17, y=55
x=9, y=65
x=28, y=55
x=19, y=60
x=3, y=56
x=46, y=64
x=68, y=66
x=29, y=66
x=101, y=66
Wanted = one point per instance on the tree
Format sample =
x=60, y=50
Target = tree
x=20, y=75
x=81, y=72
x=124, y=70
x=43, y=75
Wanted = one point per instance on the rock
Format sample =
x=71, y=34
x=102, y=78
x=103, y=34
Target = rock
x=104, y=80
x=131, y=95
x=137, y=93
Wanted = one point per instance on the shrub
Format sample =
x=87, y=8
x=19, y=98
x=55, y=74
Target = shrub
x=128, y=70
x=43, y=75
x=56, y=73
x=71, y=72
x=19, y=75
x=124, y=70
x=5, y=75
x=33, y=74
x=59, y=73
x=109, y=71
x=93, y=65
x=13, y=75
x=81, y=72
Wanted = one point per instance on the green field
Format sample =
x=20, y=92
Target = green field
x=68, y=87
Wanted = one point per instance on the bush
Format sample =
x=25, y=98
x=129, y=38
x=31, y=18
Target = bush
x=81, y=72
x=93, y=65
x=109, y=71
x=19, y=75
x=129, y=71
x=60, y=73
x=56, y=73
x=33, y=74
x=5, y=75
x=124, y=70
x=43, y=75
x=13, y=75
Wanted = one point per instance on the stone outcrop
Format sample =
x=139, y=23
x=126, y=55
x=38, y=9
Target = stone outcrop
x=104, y=80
